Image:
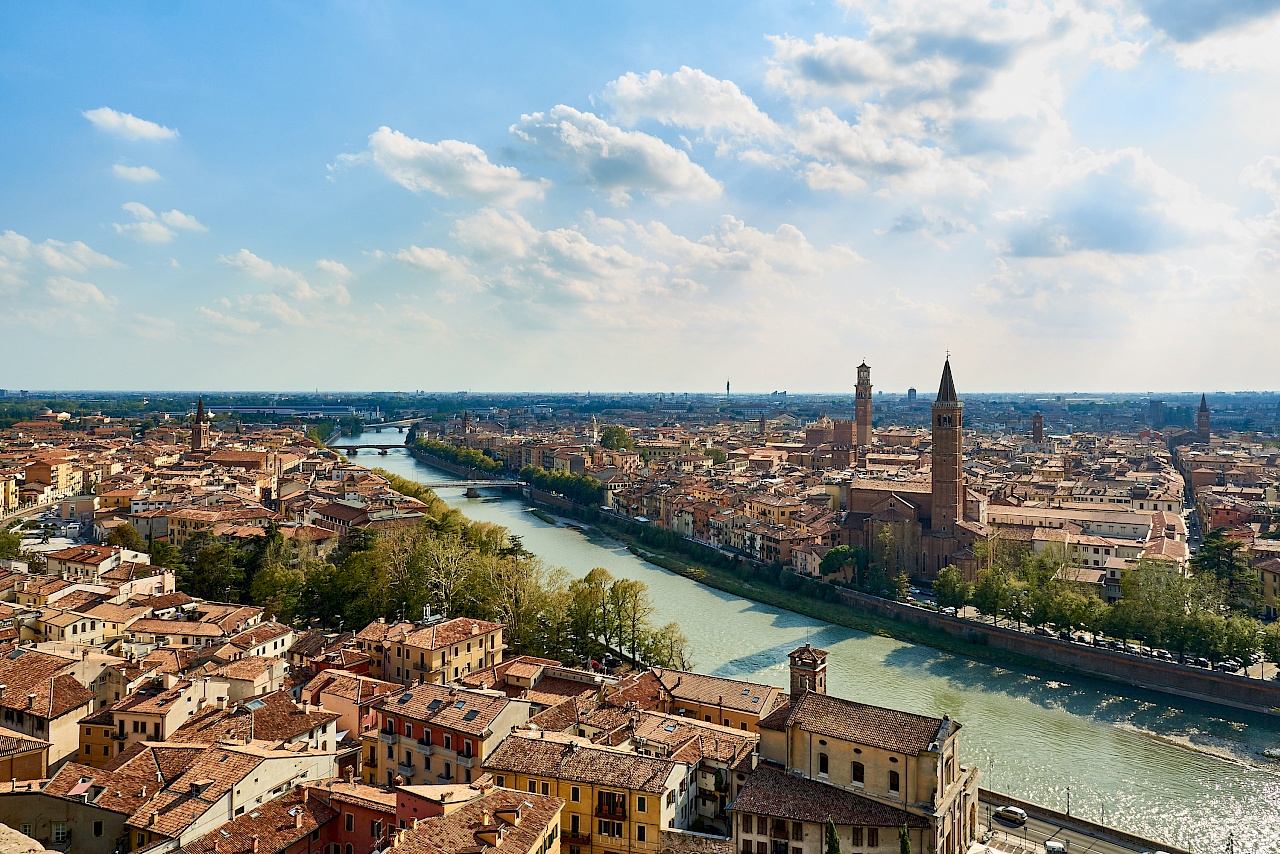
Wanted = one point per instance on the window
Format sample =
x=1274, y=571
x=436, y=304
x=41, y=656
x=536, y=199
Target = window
x=823, y=765
x=351, y=822
x=797, y=831
x=350, y=850
x=502, y=782
x=857, y=773
x=762, y=847
x=873, y=837
x=671, y=798
x=142, y=840
x=448, y=741
x=640, y=833
x=574, y=793
x=533, y=786
x=857, y=837
x=97, y=828
x=642, y=804
x=26, y=830
x=893, y=782
x=408, y=730
x=746, y=823
x=375, y=829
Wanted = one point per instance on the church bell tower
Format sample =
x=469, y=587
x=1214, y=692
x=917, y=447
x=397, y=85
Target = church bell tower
x=862, y=402
x=948, y=456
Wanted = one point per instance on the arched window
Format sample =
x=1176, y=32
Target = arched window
x=857, y=773
x=350, y=850
x=823, y=764
x=894, y=786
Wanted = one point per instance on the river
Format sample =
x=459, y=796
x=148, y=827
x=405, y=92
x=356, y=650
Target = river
x=1033, y=734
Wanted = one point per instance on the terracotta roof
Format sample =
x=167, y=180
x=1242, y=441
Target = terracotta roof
x=874, y=726
x=271, y=717
x=87, y=554
x=470, y=712
x=580, y=761
x=26, y=671
x=12, y=742
x=470, y=827
x=436, y=636
x=177, y=807
x=773, y=792
x=266, y=828
x=732, y=694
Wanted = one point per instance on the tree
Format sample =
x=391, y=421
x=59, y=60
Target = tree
x=833, y=839
x=669, y=647
x=1270, y=643
x=10, y=544
x=278, y=589
x=904, y=841
x=1224, y=559
x=990, y=595
x=632, y=608
x=126, y=537
x=951, y=588
x=616, y=438
x=839, y=557
x=902, y=586
x=718, y=455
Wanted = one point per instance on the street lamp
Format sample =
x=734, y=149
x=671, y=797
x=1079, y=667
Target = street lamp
x=1068, y=800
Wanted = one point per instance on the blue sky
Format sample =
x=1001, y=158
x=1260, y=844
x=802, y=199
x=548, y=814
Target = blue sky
x=640, y=196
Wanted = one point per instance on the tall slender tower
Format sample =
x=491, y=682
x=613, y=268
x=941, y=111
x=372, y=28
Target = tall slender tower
x=200, y=429
x=948, y=455
x=1037, y=428
x=862, y=398
x=1202, y=420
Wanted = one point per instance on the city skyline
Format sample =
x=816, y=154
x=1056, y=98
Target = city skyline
x=1064, y=195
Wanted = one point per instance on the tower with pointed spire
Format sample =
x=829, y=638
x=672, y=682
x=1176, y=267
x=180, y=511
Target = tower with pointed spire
x=948, y=456
x=862, y=405
x=200, y=428
x=1202, y=420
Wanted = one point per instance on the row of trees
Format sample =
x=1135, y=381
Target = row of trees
x=1206, y=613
x=469, y=457
x=578, y=488
x=444, y=564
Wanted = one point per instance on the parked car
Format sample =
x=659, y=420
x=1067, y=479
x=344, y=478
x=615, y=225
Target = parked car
x=1043, y=632
x=1053, y=846
x=1116, y=645
x=1202, y=662
x=1064, y=635
x=949, y=611
x=1100, y=642
x=1081, y=638
x=1013, y=815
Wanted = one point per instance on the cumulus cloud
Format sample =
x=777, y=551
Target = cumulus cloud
x=229, y=322
x=613, y=160
x=335, y=268
x=67, y=290
x=73, y=257
x=127, y=125
x=447, y=168
x=293, y=300
x=1118, y=202
x=139, y=174
x=437, y=261
x=688, y=98
x=150, y=227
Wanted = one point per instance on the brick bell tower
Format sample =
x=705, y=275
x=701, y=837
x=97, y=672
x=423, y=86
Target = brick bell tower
x=200, y=428
x=862, y=399
x=948, y=456
x=1037, y=428
x=1202, y=420
x=808, y=670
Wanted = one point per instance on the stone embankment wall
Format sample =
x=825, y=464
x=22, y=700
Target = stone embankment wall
x=673, y=841
x=453, y=468
x=1079, y=825
x=1180, y=679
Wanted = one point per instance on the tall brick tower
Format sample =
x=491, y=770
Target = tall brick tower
x=948, y=455
x=1037, y=428
x=862, y=398
x=1202, y=420
x=200, y=429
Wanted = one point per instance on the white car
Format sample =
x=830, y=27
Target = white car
x=1053, y=846
x=1013, y=815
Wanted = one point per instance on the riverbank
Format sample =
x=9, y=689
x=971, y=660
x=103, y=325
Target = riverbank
x=886, y=618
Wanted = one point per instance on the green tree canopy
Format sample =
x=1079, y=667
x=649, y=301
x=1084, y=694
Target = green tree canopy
x=616, y=438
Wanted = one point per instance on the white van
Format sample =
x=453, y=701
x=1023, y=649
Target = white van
x=1053, y=846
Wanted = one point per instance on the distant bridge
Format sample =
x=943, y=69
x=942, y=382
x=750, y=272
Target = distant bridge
x=382, y=449
x=473, y=484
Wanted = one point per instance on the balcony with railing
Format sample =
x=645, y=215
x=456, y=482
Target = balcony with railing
x=388, y=736
x=570, y=837
x=466, y=760
x=615, y=811
x=425, y=747
x=406, y=769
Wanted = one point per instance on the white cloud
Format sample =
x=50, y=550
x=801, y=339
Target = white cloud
x=229, y=322
x=489, y=233
x=14, y=245
x=1119, y=202
x=127, y=125
x=615, y=161
x=150, y=227
x=335, y=268
x=688, y=98
x=67, y=290
x=140, y=174
x=438, y=261
x=73, y=257
x=260, y=268
x=447, y=168
x=294, y=301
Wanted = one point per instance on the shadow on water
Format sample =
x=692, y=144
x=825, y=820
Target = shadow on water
x=771, y=656
x=1086, y=697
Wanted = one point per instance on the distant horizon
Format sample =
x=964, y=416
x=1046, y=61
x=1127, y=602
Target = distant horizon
x=921, y=396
